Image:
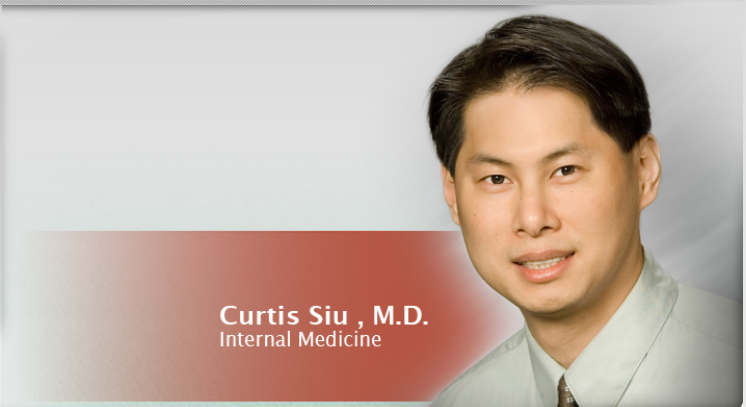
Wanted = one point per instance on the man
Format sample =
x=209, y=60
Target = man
x=542, y=129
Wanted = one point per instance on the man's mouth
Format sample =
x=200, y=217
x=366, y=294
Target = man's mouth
x=540, y=265
x=543, y=267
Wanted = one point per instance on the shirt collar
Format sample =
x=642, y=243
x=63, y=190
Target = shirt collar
x=547, y=372
x=601, y=373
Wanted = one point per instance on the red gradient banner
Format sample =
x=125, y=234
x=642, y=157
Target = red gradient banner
x=136, y=316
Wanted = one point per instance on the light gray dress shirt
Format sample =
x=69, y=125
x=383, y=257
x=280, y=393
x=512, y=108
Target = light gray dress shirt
x=667, y=345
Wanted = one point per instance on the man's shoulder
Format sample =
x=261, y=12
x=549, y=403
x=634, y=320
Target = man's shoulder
x=492, y=376
x=698, y=351
x=507, y=352
x=709, y=314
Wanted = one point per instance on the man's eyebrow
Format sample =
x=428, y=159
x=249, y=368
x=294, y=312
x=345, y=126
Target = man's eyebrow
x=573, y=148
x=481, y=158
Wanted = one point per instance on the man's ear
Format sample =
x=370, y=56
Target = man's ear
x=449, y=192
x=648, y=159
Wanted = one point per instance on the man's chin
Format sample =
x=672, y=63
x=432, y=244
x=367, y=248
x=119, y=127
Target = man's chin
x=554, y=308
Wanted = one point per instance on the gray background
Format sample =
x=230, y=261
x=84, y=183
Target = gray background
x=271, y=118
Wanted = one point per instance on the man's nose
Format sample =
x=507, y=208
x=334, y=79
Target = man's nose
x=534, y=213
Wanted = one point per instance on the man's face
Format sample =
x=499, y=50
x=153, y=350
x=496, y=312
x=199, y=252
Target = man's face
x=547, y=202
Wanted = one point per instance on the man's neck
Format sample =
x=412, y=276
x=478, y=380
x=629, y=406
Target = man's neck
x=564, y=337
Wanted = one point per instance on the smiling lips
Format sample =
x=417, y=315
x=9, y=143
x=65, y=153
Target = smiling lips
x=540, y=265
x=543, y=267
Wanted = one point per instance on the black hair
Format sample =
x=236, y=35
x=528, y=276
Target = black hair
x=532, y=51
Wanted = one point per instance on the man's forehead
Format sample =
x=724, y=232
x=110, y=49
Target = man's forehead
x=520, y=109
x=538, y=125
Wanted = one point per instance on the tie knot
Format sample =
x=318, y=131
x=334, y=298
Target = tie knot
x=565, y=398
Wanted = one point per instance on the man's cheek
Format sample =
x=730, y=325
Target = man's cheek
x=578, y=206
x=480, y=214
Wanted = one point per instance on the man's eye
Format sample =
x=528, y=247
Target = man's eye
x=496, y=179
x=566, y=170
